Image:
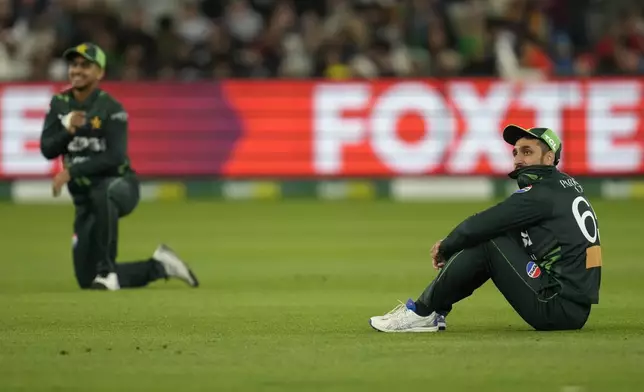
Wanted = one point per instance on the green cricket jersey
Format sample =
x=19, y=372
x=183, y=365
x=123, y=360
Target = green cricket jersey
x=96, y=150
x=556, y=224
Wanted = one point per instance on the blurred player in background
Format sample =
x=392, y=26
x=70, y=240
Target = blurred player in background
x=88, y=128
x=540, y=247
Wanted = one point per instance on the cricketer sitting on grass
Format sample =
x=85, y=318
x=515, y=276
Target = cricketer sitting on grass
x=88, y=128
x=540, y=247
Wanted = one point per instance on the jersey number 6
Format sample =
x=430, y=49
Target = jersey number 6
x=581, y=219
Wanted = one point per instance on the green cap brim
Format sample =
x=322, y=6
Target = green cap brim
x=512, y=133
x=69, y=54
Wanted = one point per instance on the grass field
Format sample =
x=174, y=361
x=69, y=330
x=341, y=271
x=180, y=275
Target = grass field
x=287, y=289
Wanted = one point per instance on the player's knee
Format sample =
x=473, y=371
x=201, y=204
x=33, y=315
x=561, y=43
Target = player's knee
x=117, y=197
x=105, y=203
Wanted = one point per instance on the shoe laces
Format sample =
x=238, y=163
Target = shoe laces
x=399, y=308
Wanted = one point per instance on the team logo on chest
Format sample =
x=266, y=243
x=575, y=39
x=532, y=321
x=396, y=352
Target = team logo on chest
x=96, y=122
x=533, y=270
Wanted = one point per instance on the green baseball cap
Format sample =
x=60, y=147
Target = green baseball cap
x=88, y=50
x=512, y=133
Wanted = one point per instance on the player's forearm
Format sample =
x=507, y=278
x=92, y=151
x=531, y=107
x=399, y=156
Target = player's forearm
x=470, y=233
x=462, y=237
x=510, y=215
x=54, y=137
x=107, y=161
x=53, y=142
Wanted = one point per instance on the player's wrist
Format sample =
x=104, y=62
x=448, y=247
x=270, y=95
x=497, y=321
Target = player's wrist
x=66, y=120
x=443, y=248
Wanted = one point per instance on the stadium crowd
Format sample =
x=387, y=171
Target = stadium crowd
x=188, y=40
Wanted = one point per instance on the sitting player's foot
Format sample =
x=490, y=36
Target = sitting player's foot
x=174, y=267
x=403, y=319
x=106, y=282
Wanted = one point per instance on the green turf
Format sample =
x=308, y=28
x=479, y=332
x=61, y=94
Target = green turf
x=287, y=290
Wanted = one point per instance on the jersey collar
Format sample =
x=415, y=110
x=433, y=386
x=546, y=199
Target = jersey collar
x=90, y=99
x=532, y=174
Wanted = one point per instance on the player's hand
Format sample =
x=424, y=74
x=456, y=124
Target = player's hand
x=437, y=260
x=60, y=180
x=74, y=120
x=78, y=119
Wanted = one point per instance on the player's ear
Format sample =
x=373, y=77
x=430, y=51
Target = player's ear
x=550, y=158
x=101, y=73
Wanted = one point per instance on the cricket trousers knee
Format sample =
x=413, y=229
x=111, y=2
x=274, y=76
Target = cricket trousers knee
x=96, y=227
x=531, y=291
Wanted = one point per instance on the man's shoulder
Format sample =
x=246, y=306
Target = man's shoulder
x=532, y=190
x=536, y=195
x=62, y=96
x=109, y=100
x=116, y=110
x=564, y=182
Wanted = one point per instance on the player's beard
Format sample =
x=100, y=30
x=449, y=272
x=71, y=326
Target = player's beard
x=88, y=84
x=83, y=88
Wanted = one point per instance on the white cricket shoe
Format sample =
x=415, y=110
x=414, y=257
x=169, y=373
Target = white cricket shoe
x=402, y=318
x=174, y=267
x=109, y=282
